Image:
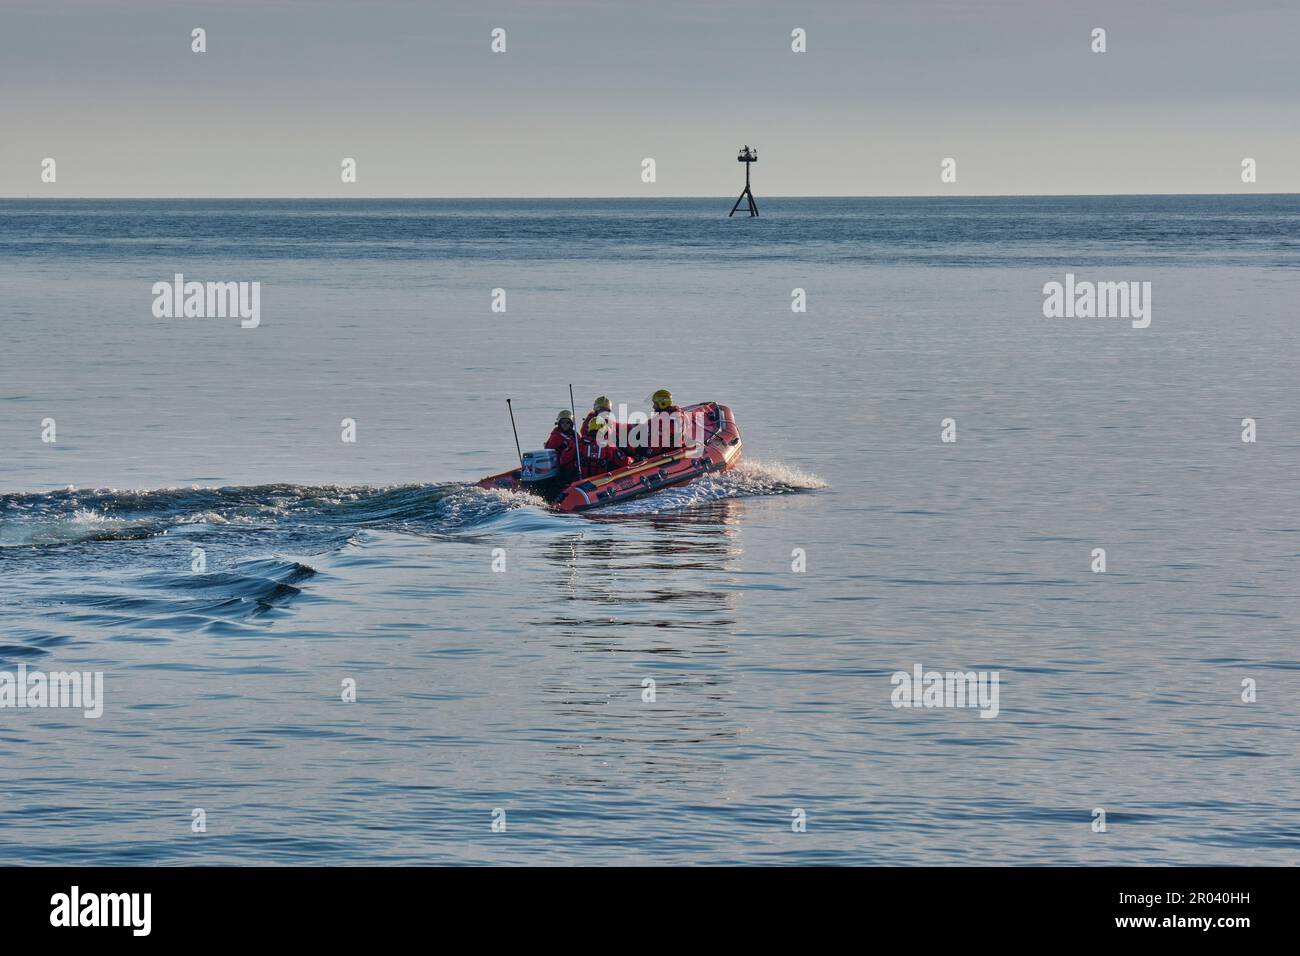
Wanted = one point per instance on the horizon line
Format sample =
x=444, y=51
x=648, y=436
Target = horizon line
x=725, y=198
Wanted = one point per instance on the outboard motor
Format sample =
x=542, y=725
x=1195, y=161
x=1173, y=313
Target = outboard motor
x=541, y=473
x=540, y=465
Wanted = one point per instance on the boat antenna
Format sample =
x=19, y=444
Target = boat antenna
x=577, y=439
x=516, y=431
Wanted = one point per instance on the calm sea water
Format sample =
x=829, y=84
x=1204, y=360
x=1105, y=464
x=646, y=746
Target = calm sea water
x=372, y=562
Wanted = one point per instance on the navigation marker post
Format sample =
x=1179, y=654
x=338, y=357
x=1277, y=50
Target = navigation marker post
x=746, y=156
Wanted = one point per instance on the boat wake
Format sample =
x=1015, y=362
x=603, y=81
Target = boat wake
x=316, y=518
x=311, y=519
x=227, y=559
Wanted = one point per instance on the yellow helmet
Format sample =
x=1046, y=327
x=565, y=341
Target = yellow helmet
x=601, y=404
x=564, y=413
x=662, y=399
x=596, y=424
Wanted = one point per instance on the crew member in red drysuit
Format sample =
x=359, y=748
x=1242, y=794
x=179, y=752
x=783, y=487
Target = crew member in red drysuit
x=597, y=456
x=564, y=442
x=602, y=408
x=666, y=425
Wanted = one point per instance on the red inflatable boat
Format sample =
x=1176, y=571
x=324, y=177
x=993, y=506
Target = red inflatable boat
x=713, y=444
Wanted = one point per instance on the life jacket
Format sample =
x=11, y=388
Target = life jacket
x=668, y=426
x=597, y=460
x=565, y=445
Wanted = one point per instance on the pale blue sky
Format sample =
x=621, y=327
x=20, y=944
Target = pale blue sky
x=586, y=90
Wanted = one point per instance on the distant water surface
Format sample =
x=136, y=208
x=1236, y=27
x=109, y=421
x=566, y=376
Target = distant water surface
x=523, y=689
